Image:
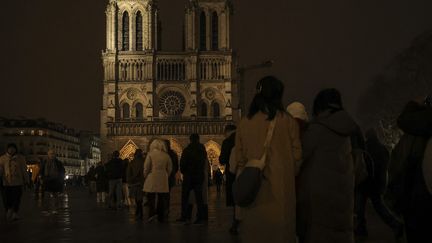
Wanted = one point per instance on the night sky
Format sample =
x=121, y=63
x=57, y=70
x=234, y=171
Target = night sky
x=51, y=50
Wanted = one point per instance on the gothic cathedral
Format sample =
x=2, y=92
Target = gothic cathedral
x=149, y=93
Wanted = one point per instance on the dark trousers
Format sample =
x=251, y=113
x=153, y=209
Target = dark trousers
x=418, y=214
x=380, y=207
x=13, y=197
x=160, y=208
x=197, y=188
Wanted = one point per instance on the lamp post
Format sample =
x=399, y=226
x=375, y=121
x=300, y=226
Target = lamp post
x=241, y=87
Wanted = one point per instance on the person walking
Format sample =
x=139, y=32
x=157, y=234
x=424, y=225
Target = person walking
x=52, y=174
x=218, y=178
x=224, y=158
x=13, y=170
x=101, y=183
x=192, y=166
x=374, y=187
x=135, y=180
x=157, y=168
x=273, y=212
x=326, y=178
x=90, y=177
x=114, y=172
x=407, y=185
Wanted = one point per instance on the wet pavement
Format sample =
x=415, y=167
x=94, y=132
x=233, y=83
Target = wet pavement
x=81, y=219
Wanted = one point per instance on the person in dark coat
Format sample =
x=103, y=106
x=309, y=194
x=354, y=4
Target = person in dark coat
x=135, y=180
x=114, y=171
x=101, y=183
x=175, y=168
x=192, y=165
x=325, y=200
x=407, y=187
x=91, y=180
x=53, y=174
x=374, y=187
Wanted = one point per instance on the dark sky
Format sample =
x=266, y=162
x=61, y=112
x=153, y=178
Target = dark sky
x=51, y=65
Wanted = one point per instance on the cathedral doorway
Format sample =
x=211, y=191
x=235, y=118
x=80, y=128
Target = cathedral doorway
x=128, y=150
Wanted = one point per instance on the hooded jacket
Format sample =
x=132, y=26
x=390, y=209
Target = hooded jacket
x=326, y=180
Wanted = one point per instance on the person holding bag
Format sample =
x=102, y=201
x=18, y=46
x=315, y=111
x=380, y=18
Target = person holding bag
x=272, y=211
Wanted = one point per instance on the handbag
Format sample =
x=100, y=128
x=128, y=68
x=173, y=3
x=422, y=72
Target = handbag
x=248, y=182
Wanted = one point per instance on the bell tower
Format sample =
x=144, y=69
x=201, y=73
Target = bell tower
x=207, y=25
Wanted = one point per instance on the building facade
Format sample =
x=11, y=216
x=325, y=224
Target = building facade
x=35, y=137
x=150, y=93
x=90, y=150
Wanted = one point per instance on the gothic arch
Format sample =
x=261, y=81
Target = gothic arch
x=216, y=109
x=139, y=30
x=204, y=108
x=176, y=146
x=213, y=152
x=203, y=31
x=128, y=150
x=125, y=110
x=125, y=30
x=215, y=31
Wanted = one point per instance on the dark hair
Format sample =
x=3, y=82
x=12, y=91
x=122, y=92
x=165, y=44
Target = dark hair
x=327, y=99
x=229, y=128
x=12, y=145
x=116, y=154
x=194, y=138
x=138, y=153
x=268, y=98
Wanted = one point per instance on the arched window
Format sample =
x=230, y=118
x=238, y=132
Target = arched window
x=216, y=109
x=139, y=111
x=203, y=32
x=139, y=32
x=215, y=32
x=126, y=111
x=204, y=110
x=125, y=32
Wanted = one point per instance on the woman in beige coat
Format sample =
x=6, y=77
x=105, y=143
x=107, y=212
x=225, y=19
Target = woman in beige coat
x=273, y=214
x=157, y=168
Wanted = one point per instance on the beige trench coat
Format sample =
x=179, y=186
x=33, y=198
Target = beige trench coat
x=273, y=214
x=157, y=168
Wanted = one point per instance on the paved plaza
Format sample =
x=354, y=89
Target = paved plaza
x=81, y=219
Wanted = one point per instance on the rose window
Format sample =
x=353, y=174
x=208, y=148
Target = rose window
x=172, y=103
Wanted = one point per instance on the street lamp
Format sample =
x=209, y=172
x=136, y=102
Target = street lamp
x=241, y=72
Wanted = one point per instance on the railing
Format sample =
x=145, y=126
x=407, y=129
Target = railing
x=167, y=128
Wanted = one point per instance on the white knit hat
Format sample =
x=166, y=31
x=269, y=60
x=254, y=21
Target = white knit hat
x=298, y=110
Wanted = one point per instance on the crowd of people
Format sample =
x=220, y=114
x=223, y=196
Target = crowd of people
x=317, y=176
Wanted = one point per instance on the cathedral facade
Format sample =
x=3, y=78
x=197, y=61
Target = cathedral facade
x=150, y=93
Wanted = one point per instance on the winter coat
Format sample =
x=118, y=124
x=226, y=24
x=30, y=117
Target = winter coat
x=59, y=172
x=273, y=214
x=325, y=202
x=101, y=179
x=224, y=158
x=14, y=170
x=157, y=168
x=406, y=181
x=135, y=172
x=192, y=163
x=114, y=169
